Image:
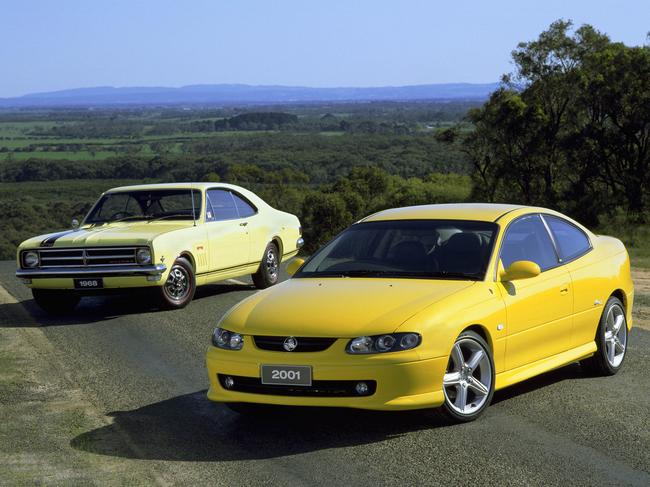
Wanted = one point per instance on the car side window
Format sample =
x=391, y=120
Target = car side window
x=571, y=241
x=244, y=208
x=221, y=206
x=528, y=239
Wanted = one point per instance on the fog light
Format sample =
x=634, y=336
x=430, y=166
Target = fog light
x=362, y=388
x=228, y=382
x=155, y=277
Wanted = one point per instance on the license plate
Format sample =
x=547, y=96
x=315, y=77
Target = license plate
x=286, y=375
x=91, y=283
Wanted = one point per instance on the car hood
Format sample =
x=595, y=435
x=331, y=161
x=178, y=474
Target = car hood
x=124, y=233
x=337, y=307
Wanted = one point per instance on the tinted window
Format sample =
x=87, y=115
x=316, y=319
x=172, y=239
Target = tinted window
x=435, y=249
x=571, y=241
x=221, y=206
x=527, y=239
x=244, y=208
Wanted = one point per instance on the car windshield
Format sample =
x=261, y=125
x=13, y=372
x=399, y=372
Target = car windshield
x=435, y=249
x=161, y=204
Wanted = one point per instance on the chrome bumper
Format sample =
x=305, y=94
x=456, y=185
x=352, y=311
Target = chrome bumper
x=112, y=271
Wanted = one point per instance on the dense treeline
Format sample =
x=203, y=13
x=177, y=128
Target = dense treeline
x=570, y=128
x=321, y=159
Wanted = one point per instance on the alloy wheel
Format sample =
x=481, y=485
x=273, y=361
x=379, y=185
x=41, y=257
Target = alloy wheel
x=271, y=263
x=178, y=283
x=468, y=379
x=615, y=335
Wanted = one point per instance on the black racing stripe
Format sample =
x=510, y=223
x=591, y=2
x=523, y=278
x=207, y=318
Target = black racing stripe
x=49, y=241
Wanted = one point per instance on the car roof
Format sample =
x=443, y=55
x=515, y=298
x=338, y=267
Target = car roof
x=199, y=186
x=451, y=211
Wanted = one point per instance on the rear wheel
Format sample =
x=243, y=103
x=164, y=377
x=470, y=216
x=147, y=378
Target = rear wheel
x=54, y=301
x=180, y=285
x=468, y=383
x=269, y=271
x=611, y=339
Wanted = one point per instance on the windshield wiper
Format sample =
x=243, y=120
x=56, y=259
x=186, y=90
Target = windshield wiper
x=455, y=275
x=173, y=215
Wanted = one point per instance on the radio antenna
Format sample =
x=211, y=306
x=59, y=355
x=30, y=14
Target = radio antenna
x=192, y=197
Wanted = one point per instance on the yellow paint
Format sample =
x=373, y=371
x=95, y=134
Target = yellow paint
x=532, y=325
x=217, y=249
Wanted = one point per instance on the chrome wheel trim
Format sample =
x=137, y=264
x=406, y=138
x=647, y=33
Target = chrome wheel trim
x=177, y=286
x=468, y=379
x=271, y=264
x=615, y=335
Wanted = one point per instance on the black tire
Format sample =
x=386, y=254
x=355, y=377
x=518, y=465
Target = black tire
x=268, y=273
x=468, y=341
x=56, y=302
x=178, y=290
x=601, y=363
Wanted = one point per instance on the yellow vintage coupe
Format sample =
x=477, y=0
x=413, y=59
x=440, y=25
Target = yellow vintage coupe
x=169, y=237
x=428, y=306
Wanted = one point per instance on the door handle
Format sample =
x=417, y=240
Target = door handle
x=564, y=290
x=243, y=224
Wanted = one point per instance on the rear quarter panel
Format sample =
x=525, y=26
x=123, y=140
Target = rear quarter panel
x=597, y=275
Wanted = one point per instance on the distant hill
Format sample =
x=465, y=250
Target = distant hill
x=224, y=94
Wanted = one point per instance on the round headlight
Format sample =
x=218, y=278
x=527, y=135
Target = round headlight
x=236, y=341
x=143, y=256
x=361, y=345
x=409, y=340
x=30, y=259
x=227, y=339
x=385, y=342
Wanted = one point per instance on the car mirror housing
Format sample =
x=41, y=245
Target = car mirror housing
x=75, y=223
x=521, y=269
x=294, y=265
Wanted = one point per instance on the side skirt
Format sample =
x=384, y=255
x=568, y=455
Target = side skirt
x=511, y=377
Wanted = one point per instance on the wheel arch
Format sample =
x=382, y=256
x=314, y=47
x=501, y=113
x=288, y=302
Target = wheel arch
x=620, y=294
x=483, y=332
x=186, y=254
x=278, y=243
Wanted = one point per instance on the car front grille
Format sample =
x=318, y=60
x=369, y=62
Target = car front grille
x=305, y=344
x=319, y=388
x=91, y=257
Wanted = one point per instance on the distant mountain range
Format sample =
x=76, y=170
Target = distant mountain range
x=237, y=94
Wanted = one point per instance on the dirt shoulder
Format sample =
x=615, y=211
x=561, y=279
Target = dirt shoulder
x=641, y=310
x=42, y=410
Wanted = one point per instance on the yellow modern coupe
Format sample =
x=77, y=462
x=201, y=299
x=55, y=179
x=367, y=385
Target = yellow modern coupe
x=166, y=237
x=428, y=306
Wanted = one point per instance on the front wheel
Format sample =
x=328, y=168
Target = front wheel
x=56, y=302
x=468, y=383
x=269, y=271
x=180, y=285
x=611, y=339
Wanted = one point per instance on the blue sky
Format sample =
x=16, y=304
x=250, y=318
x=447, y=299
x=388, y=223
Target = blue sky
x=52, y=45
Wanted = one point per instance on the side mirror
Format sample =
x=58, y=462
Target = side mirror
x=521, y=269
x=294, y=265
x=75, y=223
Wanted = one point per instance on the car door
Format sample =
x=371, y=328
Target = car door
x=227, y=237
x=538, y=309
x=255, y=226
x=572, y=244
